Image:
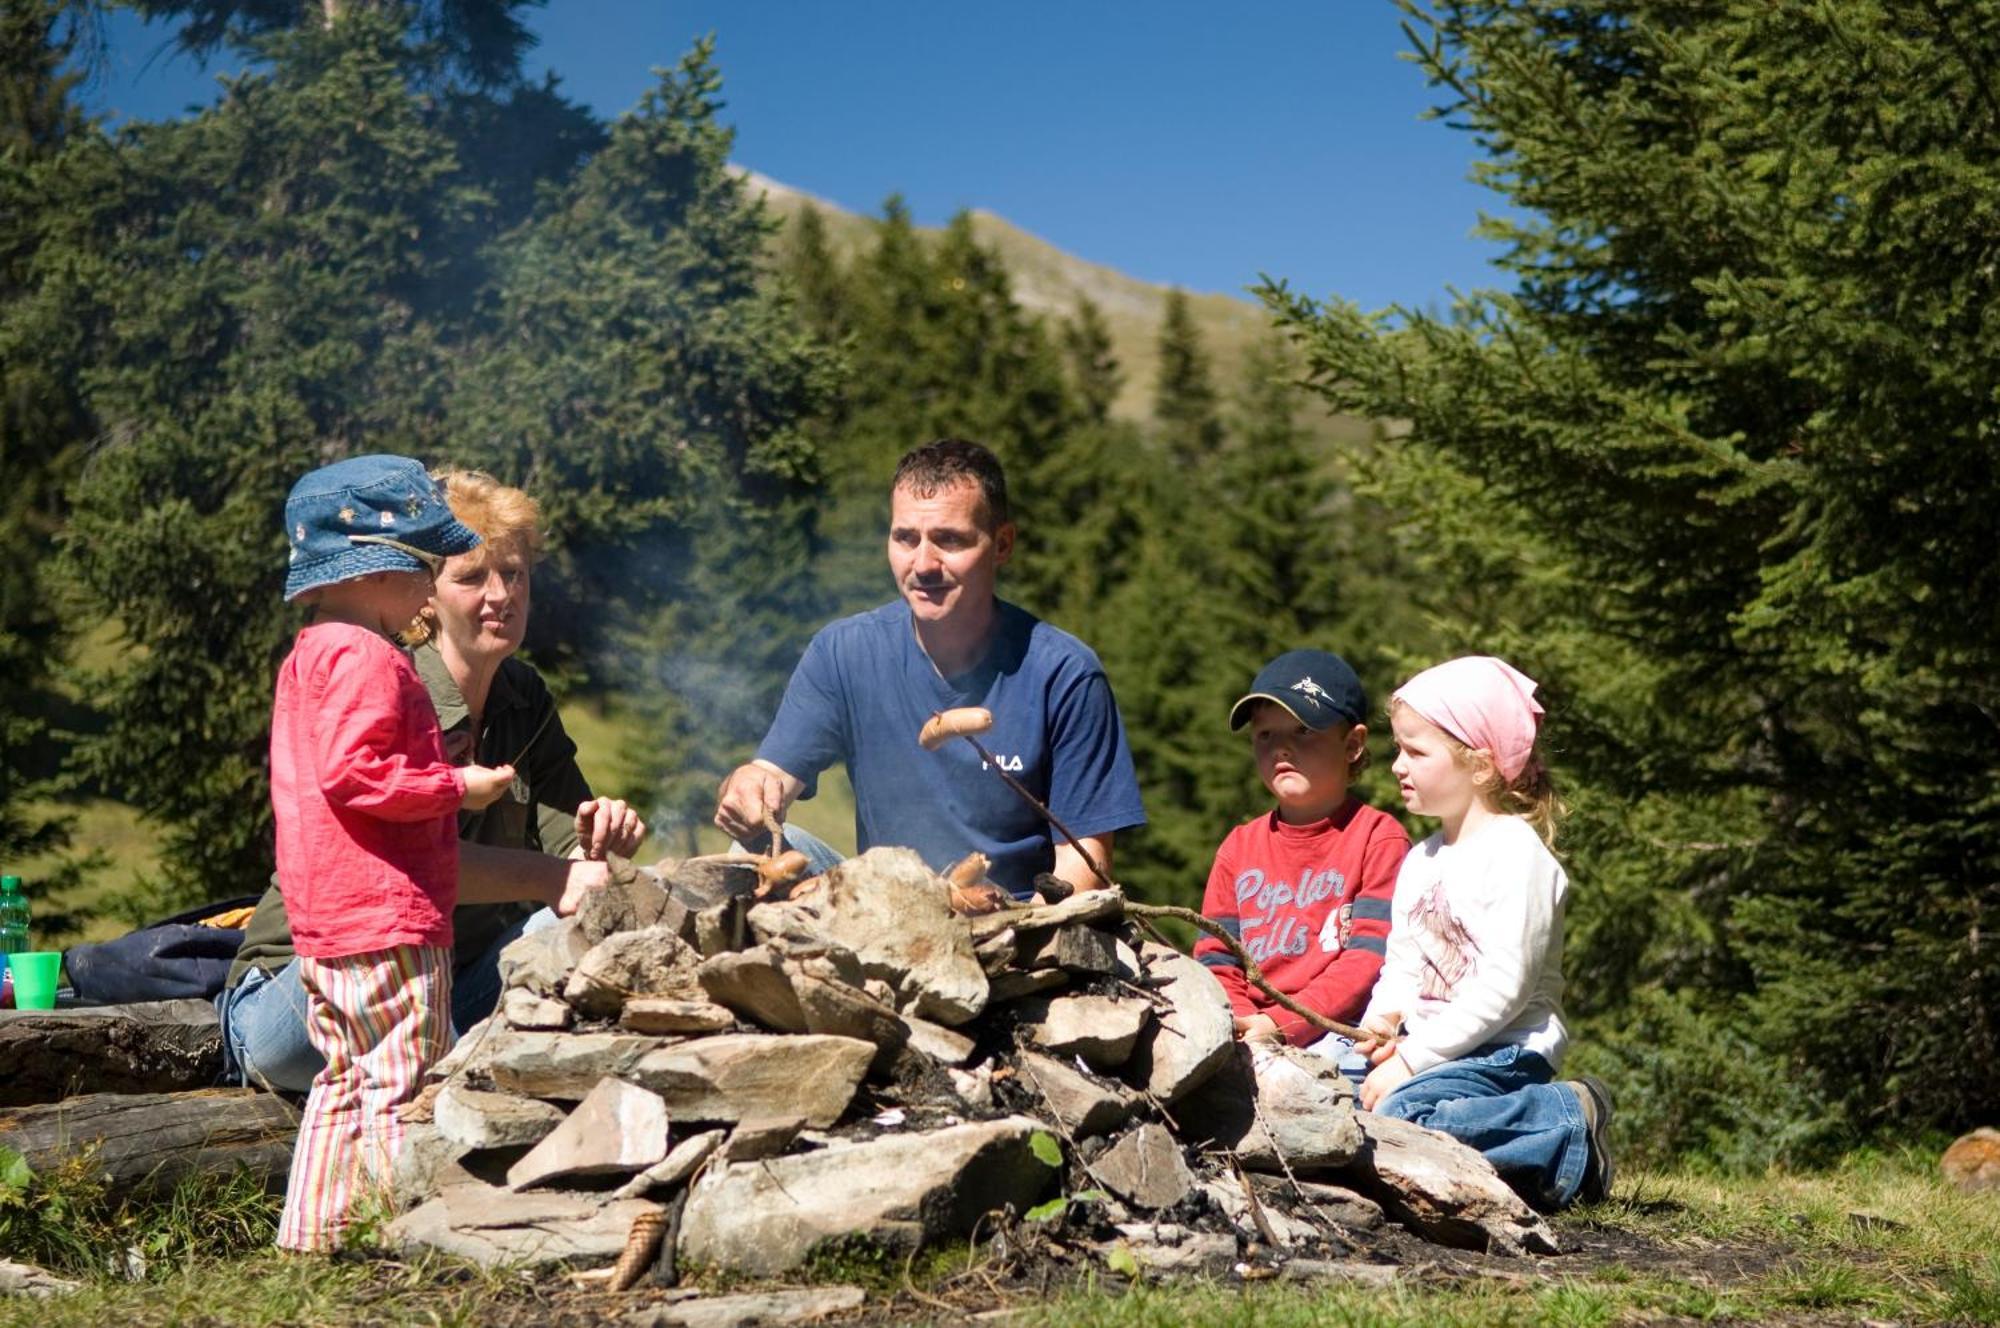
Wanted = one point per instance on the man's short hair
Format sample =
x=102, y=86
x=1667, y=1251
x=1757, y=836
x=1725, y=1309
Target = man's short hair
x=935, y=466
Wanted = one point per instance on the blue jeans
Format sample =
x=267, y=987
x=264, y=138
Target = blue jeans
x=264, y=1041
x=1500, y=1101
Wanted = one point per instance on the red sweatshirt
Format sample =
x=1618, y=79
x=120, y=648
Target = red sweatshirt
x=1311, y=905
x=366, y=803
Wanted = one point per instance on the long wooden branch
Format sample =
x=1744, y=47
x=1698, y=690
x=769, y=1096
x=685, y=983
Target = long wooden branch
x=1251, y=971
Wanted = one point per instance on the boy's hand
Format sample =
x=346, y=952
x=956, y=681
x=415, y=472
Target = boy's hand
x=484, y=784
x=1383, y=1080
x=1257, y=1028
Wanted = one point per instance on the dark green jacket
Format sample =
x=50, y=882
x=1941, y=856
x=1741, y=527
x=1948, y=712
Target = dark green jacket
x=538, y=813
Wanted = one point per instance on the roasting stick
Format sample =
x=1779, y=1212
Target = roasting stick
x=968, y=722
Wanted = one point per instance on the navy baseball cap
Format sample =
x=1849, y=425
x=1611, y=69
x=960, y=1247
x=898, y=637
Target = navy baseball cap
x=374, y=513
x=1317, y=686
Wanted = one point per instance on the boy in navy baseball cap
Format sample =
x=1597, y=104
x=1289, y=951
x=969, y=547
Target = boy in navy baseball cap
x=1306, y=886
x=367, y=822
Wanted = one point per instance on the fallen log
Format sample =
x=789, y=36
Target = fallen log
x=155, y=1047
x=141, y=1142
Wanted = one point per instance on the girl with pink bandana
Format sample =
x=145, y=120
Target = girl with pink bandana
x=1465, y=1023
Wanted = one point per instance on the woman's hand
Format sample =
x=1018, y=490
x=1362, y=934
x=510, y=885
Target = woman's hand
x=484, y=784
x=606, y=826
x=582, y=878
x=1384, y=1079
x=1257, y=1028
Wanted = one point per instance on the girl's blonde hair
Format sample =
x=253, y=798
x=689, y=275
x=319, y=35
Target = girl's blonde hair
x=506, y=519
x=1530, y=795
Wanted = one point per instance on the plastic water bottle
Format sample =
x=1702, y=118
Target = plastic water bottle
x=13, y=916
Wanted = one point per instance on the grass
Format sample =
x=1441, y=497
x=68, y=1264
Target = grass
x=1879, y=1239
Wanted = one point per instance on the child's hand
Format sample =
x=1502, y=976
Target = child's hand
x=484, y=784
x=1378, y=1040
x=1383, y=1080
x=1257, y=1028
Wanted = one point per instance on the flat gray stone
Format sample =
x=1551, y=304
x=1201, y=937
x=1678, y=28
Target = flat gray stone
x=474, y=1119
x=491, y=1226
x=1294, y=1111
x=737, y=1076
x=895, y=914
x=761, y=1137
x=1075, y=948
x=937, y=1042
x=663, y=1015
x=635, y=898
x=681, y=1161
x=836, y=1008
x=541, y=960
x=756, y=985
x=1084, y=1107
x=1145, y=1168
x=25, y=1279
x=1192, y=1038
x=533, y=1012
x=1018, y=984
x=1083, y=906
x=651, y=962
x=1101, y=1029
x=1341, y=1206
x=751, y=1309
x=563, y=1066
x=1166, y=1247
x=1443, y=1190
x=900, y=1191
x=618, y=1129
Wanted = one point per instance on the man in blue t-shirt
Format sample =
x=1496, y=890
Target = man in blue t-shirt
x=867, y=684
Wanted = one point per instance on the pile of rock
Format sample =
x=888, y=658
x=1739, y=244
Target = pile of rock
x=741, y=1079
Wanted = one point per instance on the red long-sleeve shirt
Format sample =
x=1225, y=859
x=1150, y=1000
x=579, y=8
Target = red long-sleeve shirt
x=364, y=798
x=1311, y=905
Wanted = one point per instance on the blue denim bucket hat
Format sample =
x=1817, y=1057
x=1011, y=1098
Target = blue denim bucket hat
x=368, y=514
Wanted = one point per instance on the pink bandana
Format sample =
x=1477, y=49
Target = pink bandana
x=1483, y=702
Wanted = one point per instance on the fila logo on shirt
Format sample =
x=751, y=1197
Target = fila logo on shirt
x=1011, y=764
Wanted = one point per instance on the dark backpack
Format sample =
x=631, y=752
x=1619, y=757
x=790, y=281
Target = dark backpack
x=174, y=958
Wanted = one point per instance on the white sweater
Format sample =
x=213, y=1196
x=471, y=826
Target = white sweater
x=1475, y=946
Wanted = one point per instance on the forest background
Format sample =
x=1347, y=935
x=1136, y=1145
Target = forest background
x=1715, y=466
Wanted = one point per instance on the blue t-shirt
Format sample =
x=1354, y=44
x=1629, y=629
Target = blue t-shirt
x=863, y=691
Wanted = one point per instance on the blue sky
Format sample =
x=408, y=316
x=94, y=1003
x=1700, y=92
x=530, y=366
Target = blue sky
x=1164, y=139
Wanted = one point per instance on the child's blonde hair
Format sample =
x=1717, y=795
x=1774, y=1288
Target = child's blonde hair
x=1530, y=795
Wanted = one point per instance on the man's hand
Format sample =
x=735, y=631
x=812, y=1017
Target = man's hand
x=484, y=784
x=1257, y=1028
x=748, y=794
x=1383, y=1080
x=1072, y=868
x=584, y=877
x=605, y=826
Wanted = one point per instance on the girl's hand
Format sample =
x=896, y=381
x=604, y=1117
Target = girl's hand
x=1383, y=1080
x=484, y=784
x=1257, y=1028
x=1379, y=1032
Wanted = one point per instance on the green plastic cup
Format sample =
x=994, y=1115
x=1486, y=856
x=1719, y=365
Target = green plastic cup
x=35, y=974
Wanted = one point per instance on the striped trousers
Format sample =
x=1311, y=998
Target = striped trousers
x=380, y=1019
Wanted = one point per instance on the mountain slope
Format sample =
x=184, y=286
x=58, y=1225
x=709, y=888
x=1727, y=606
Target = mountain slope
x=1051, y=282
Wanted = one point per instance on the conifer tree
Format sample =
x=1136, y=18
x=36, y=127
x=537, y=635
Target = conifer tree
x=42, y=429
x=1716, y=471
x=1186, y=410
